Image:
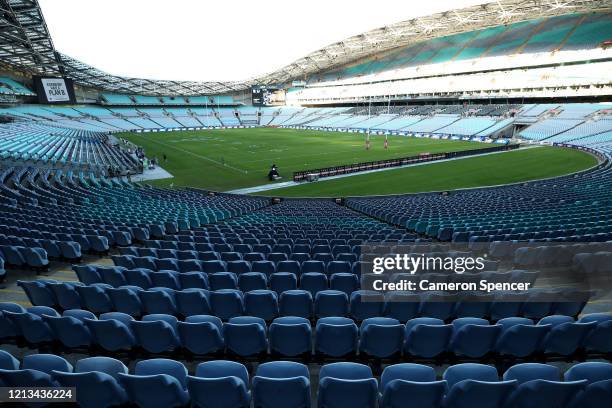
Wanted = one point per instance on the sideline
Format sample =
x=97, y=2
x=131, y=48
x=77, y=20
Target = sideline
x=266, y=187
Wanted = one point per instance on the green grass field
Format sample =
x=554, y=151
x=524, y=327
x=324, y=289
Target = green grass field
x=228, y=159
x=488, y=170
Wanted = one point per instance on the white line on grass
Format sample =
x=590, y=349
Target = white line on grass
x=218, y=163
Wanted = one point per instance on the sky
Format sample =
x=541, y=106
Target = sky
x=215, y=40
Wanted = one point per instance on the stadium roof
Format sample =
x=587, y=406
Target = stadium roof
x=25, y=44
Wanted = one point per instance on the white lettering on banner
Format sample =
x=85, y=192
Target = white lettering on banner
x=55, y=89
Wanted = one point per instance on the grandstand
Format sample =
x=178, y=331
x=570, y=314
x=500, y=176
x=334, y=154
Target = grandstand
x=146, y=259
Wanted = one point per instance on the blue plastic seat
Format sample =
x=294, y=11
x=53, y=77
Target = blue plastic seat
x=166, y=279
x=331, y=303
x=365, y=304
x=472, y=384
x=339, y=267
x=282, y=281
x=539, y=386
x=36, y=258
x=190, y=265
x=70, y=328
x=36, y=371
x=66, y=294
x=201, y=334
x=70, y=250
x=112, y=331
x=238, y=266
x=314, y=282
x=147, y=262
x=411, y=382
x=313, y=266
x=252, y=281
x=7, y=361
x=158, y=300
x=336, y=336
x=168, y=264
x=223, y=280
x=97, y=382
x=157, y=383
x=598, y=339
x=276, y=257
x=8, y=328
x=281, y=384
x=94, y=298
x=190, y=302
x=289, y=266
x=138, y=277
x=194, y=280
x=265, y=267
x=598, y=376
x=38, y=293
x=296, y=303
x=126, y=299
x=87, y=274
x=427, y=337
x=112, y=275
x=347, y=385
x=31, y=324
x=436, y=305
x=381, y=337
x=473, y=337
x=300, y=257
x=402, y=306
x=565, y=335
x=290, y=336
x=227, y=303
x=156, y=333
x=344, y=282
x=220, y=383
x=246, y=335
x=261, y=303
x=12, y=255
x=520, y=337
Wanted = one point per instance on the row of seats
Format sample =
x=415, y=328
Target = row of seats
x=286, y=276
x=23, y=256
x=359, y=305
x=105, y=381
x=377, y=337
x=320, y=262
x=211, y=262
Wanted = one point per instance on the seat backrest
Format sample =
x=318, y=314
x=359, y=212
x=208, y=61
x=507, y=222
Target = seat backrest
x=407, y=372
x=470, y=371
x=532, y=371
x=46, y=363
x=346, y=371
x=282, y=369
x=592, y=371
x=162, y=366
x=222, y=368
x=106, y=365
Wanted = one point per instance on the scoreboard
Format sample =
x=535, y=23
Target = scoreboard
x=54, y=90
x=267, y=96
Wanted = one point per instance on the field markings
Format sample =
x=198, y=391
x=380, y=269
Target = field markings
x=218, y=163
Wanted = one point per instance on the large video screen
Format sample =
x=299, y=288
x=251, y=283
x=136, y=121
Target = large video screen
x=54, y=90
x=267, y=96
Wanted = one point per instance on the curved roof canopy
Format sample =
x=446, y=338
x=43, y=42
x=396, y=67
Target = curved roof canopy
x=25, y=44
